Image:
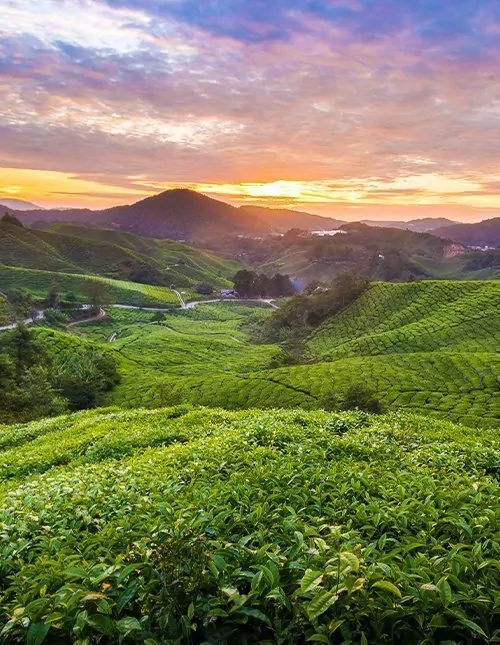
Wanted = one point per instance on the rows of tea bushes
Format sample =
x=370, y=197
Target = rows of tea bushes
x=415, y=317
x=121, y=291
x=432, y=348
x=207, y=526
x=459, y=387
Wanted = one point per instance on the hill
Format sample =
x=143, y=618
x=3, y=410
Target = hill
x=253, y=526
x=280, y=220
x=16, y=205
x=423, y=225
x=378, y=253
x=122, y=292
x=187, y=215
x=108, y=253
x=427, y=346
x=483, y=234
x=178, y=214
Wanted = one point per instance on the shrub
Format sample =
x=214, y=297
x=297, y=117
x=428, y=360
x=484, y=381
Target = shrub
x=360, y=397
x=204, y=289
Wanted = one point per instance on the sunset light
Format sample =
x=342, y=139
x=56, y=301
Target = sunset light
x=336, y=106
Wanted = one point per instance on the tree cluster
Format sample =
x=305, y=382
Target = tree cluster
x=303, y=312
x=33, y=385
x=249, y=284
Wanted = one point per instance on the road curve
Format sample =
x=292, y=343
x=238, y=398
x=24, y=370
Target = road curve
x=184, y=305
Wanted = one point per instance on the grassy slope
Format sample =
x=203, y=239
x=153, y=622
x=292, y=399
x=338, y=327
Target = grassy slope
x=122, y=292
x=430, y=346
x=113, y=521
x=190, y=344
x=78, y=249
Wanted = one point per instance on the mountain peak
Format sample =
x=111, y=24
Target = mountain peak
x=18, y=204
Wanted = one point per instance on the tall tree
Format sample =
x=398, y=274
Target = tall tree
x=97, y=293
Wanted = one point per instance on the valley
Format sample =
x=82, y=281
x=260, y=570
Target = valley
x=180, y=467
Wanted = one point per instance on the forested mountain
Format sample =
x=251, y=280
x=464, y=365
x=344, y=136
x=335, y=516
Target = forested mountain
x=377, y=253
x=483, y=234
x=185, y=215
x=423, y=225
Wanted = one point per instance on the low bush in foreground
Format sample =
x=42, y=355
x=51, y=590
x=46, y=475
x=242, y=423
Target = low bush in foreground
x=207, y=526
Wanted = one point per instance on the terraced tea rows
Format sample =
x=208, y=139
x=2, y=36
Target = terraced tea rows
x=184, y=525
x=415, y=317
x=122, y=292
x=451, y=372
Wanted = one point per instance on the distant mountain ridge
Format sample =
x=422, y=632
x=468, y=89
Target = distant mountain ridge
x=284, y=219
x=190, y=216
x=422, y=225
x=187, y=215
x=483, y=234
x=17, y=205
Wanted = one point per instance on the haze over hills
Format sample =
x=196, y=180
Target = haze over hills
x=482, y=234
x=17, y=205
x=284, y=219
x=188, y=215
x=423, y=225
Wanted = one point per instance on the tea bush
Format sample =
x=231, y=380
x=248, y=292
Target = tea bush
x=207, y=526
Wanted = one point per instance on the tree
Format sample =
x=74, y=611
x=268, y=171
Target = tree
x=85, y=377
x=97, y=293
x=21, y=302
x=8, y=218
x=204, y=288
x=158, y=317
x=244, y=283
x=360, y=397
x=25, y=350
x=53, y=297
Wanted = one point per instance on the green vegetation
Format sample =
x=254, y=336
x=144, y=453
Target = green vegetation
x=249, y=284
x=201, y=526
x=429, y=346
x=377, y=254
x=121, y=291
x=112, y=254
x=301, y=314
x=47, y=372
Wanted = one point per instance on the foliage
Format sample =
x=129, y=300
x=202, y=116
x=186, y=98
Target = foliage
x=40, y=378
x=11, y=219
x=97, y=294
x=199, y=526
x=248, y=284
x=204, y=288
x=304, y=312
x=360, y=397
x=21, y=302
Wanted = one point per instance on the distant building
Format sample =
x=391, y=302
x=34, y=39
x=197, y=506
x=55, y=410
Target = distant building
x=228, y=293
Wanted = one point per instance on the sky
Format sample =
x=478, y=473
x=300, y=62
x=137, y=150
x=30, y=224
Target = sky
x=385, y=109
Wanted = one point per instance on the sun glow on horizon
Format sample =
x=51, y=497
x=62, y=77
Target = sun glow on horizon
x=430, y=190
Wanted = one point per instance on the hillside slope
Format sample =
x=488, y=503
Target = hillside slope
x=427, y=346
x=186, y=215
x=251, y=526
x=114, y=254
x=483, y=234
x=281, y=220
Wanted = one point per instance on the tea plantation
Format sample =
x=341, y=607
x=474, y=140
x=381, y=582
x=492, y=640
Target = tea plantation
x=121, y=291
x=428, y=346
x=190, y=525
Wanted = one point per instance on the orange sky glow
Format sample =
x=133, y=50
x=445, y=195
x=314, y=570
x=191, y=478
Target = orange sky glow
x=347, y=108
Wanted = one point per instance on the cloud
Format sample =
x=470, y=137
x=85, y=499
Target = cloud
x=354, y=93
